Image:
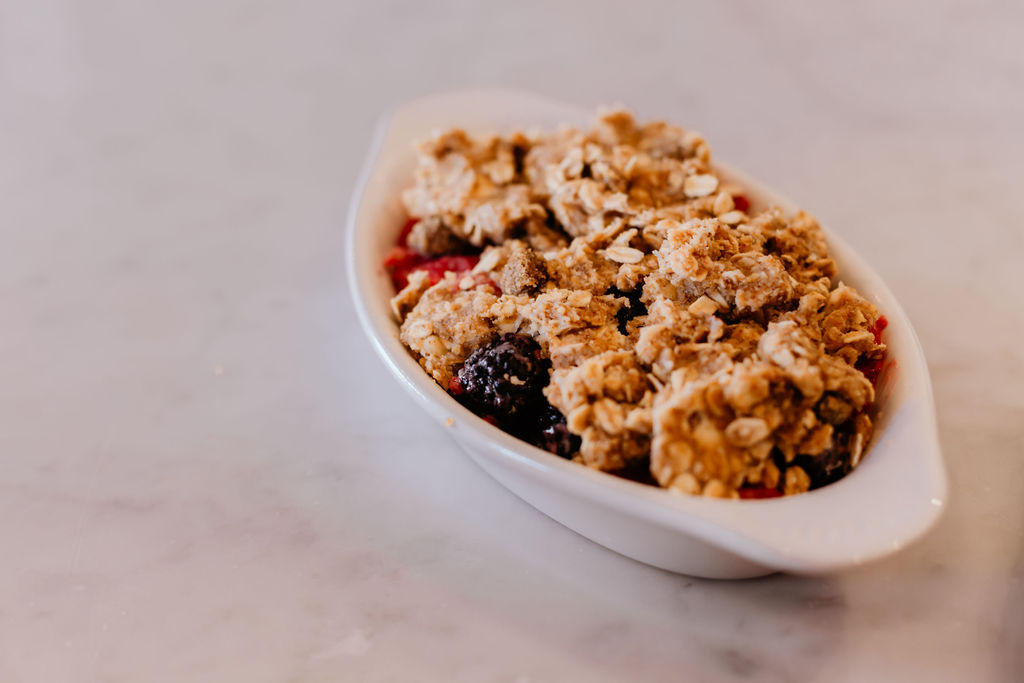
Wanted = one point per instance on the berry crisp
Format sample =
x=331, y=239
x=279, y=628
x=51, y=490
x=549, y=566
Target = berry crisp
x=609, y=296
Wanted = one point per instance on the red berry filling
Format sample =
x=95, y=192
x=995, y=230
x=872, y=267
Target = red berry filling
x=403, y=235
x=401, y=261
x=740, y=202
x=759, y=492
x=872, y=367
x=878, y=328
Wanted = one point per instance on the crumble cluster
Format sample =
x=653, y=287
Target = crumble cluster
x=688, y=331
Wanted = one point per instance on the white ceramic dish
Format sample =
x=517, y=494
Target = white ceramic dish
x=893, y=498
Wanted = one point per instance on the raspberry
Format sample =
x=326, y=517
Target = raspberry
x=399, y=262
x=879, y=327
x=402, y=261
x=437, y=267
x=403, y=235
x=872, y=367
x=759, y=492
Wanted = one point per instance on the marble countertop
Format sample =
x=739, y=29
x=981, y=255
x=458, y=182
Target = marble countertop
x=208, y=476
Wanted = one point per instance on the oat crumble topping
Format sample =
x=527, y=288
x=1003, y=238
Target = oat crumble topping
x=689, y=333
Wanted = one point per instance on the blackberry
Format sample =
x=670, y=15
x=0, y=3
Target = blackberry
x=551, y=433
x=833, y=464
x=503, y=380
x=639, y=470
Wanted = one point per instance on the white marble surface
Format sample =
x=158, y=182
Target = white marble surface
x=206, y=474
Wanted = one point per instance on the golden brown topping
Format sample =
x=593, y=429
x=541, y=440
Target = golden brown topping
x=685, y=328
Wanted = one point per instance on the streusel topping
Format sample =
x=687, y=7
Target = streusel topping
x=689, y=333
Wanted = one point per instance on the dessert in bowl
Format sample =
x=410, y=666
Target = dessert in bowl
x=672, y=334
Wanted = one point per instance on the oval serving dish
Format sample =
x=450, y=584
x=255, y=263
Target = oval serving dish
x=892, y=498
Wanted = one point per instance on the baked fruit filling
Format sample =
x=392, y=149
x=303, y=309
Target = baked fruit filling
x=610, y=297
